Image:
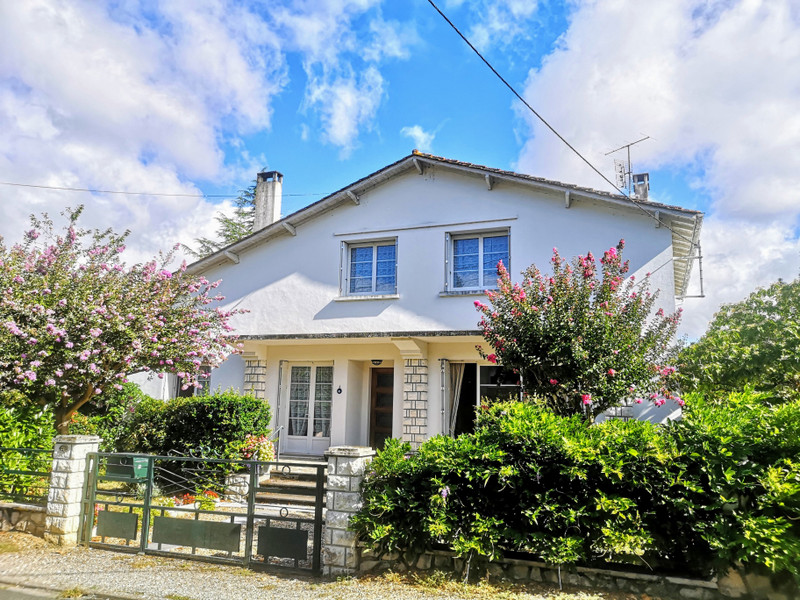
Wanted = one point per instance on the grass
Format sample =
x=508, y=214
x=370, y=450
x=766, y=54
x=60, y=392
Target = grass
x=75, y=592
x=448, y=585
x=8, y=546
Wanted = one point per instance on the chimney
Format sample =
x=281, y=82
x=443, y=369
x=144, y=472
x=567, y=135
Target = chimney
x=268, y=199
x=641, y=186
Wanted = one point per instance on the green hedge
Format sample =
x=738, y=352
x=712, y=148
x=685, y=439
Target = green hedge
x=723, y=485
x=208, y=425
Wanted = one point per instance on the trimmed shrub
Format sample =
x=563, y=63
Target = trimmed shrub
x=693, y=497
x=210, y=426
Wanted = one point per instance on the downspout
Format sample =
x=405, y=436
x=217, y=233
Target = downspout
x=443, y=389
x=278, y=426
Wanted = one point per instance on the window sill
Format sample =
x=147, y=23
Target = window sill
x=457, y=293
x=367, y=297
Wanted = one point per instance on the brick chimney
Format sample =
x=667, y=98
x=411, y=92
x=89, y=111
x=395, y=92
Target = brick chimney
x=268, y=199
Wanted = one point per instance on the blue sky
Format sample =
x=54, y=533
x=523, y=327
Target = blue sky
x=196, y=96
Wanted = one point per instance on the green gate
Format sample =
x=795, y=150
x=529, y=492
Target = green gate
x=206, y=509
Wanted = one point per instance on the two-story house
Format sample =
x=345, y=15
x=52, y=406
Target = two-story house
x=361, y=321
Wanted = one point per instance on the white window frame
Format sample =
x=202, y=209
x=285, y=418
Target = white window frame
x=346, y=261
x=450, y=241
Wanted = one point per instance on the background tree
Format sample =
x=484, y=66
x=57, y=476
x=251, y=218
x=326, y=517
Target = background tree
x=581, y=343
x=753, y=343
x=75, y=320
x=231, y=229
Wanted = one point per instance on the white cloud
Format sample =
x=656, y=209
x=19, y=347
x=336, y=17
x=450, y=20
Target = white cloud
x=345, y=87
x=715, y=85
x=496, y=22
x=345, y=104
x=423, y=140
x=125, y=100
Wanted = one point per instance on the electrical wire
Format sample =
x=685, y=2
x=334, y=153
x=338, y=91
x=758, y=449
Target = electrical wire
x=552, y=129
x=74, y=189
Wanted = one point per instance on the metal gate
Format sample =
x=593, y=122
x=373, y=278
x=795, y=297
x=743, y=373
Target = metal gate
x=206, y=509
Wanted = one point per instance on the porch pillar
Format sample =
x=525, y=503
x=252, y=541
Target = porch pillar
x=346, y=466
x=67, y=480
x=255, y=375
x=415, y=401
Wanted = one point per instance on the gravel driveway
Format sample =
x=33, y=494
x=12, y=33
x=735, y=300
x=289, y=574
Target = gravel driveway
x=30, y=569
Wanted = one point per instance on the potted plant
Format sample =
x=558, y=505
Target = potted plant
x=260, y=448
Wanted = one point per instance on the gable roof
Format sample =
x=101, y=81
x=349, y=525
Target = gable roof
x=684, y=224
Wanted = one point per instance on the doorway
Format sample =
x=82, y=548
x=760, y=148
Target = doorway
x=381, y=405
x=308, y=419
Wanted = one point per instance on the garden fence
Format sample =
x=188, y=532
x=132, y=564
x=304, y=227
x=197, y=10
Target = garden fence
x=25, y=475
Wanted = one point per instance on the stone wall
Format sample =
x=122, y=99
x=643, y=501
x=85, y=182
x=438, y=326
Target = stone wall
x=346, y=466
x=731, y=586
x=22, y=517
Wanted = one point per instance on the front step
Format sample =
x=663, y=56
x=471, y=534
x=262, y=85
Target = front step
x=291, y=484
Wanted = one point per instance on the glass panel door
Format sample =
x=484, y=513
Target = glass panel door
x=309, y=402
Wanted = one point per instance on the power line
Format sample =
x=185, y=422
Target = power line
x=74, y=189
x=551, y=128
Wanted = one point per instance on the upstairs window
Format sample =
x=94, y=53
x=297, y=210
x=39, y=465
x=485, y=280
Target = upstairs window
x=371, y=269
x=474, y=259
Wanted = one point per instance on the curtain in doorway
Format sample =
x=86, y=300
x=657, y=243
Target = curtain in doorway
x=456, y=380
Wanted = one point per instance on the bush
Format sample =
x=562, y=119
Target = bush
x=210, y=426
x=23, y=424
x=107, y=416
x=700, y=495
x=745, y=457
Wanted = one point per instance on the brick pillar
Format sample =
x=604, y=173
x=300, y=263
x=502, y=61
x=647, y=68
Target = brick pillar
x=255, y=377
x=415, y=401
x=67, y=487
x=346, y=465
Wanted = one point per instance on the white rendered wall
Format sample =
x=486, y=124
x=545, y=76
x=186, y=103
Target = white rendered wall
x=290, y=285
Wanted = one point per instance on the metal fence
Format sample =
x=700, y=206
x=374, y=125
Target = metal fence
x=25, y=475
x=206, y=509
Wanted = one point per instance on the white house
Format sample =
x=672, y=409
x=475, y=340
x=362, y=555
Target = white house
x=361, y=321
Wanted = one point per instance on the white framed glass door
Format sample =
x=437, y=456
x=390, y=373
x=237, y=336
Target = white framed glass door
x=307, y=409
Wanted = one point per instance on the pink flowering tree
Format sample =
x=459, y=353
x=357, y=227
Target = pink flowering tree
x=582, y=341
x=75, y=320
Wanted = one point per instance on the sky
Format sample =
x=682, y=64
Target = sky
x=195, y=97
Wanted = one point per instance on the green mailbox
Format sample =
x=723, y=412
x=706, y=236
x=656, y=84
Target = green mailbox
x=126, y=468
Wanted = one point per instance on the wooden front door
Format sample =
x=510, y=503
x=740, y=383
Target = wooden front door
x=382, y=399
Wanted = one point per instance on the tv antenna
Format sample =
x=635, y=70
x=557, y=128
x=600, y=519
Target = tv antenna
x=622, y=170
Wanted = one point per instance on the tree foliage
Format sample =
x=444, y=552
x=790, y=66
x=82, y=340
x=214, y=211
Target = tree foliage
x=231, y=229
x=581, y=343
x=753, y=343
x=75, y=319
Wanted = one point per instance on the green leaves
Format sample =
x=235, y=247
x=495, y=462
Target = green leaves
x=754, y=343
x=720, y=487
x=582, y=341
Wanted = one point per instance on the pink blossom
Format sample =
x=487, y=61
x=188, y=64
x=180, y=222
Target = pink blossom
x=554, y=382
x=612, y=372
x=95, y=331
x=492, y=358
x=586, y=398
